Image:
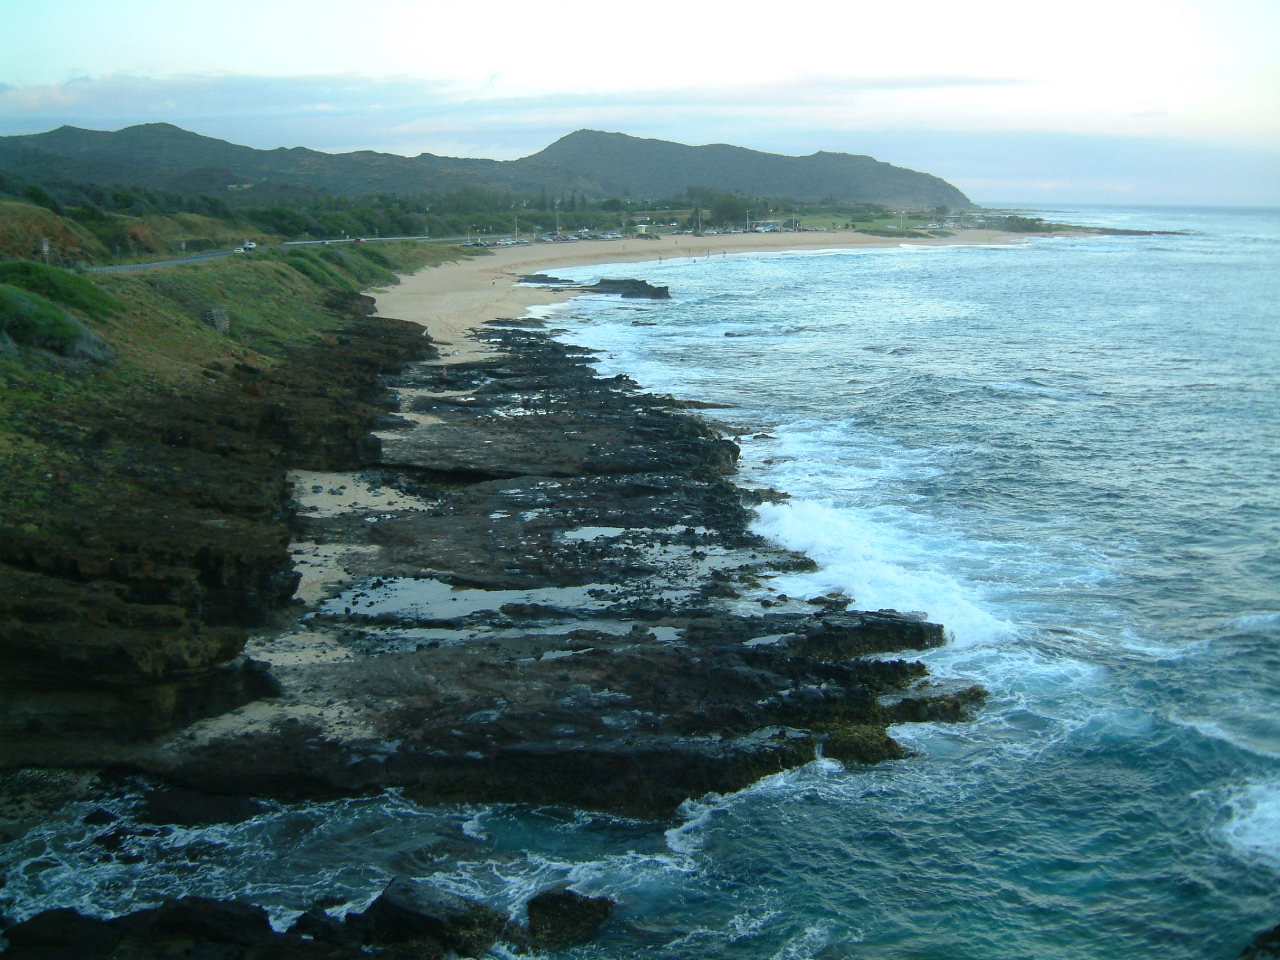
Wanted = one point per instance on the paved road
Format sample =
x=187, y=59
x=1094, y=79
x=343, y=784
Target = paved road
x=116, y=268
x=217, y=254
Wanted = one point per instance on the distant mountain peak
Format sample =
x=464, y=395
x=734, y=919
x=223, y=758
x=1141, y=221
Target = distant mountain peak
x=595, y=163
x=627, y=165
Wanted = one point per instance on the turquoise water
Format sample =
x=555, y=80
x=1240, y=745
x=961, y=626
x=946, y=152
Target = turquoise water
x=1068, y=452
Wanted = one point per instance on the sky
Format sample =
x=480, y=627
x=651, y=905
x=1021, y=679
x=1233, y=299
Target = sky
x=1038, y=102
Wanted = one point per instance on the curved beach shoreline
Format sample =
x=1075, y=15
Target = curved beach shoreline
x=530, y=594
x=454, y=298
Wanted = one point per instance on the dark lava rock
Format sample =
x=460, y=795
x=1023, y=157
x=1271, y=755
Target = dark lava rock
x=316, y=924
x=1265, y=946
x=561, y=917
x=62, y=934
x=125, y=602
x=100, y=817
x=939, y=708
x=411, y=921
x=623, y=682
x=640, y=289
x=410, y=910
x=190, y=808
x=545, y=279
x=191, y=927
x=861, y=632
x=200, y=918
x=630, y=288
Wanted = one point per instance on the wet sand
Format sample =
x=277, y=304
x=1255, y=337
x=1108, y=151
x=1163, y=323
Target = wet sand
x=454, y=298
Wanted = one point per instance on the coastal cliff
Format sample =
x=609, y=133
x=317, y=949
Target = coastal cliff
x=545, y=591
x=556, y=610
x=554, y=613
x=127, y=598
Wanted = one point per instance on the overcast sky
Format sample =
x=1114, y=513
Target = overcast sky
x=1034, y=101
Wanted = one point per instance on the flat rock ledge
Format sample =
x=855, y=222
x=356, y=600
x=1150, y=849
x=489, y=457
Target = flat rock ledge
x=535, y=585
x=163, y=542
x=409, y=919
x=565, y=606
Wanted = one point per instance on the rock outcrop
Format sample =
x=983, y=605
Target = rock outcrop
x=564, y=616
x=125, y=604
x=564, y=605
x=626, y=288
x=409, y=918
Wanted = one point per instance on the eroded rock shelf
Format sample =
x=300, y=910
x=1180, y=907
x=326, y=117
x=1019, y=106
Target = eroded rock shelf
x=566, y=606
x=525, y=584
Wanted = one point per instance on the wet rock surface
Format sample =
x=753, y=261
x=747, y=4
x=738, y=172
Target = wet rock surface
x=627, y=288
x=126, y=601
x=1265, y=946
x=562, y=917
x=409, y=919
x=551, y=595
x=574, y=611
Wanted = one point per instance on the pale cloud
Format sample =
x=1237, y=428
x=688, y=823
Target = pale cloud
x=989, y=111
x=408, y=115
x=1208, y=66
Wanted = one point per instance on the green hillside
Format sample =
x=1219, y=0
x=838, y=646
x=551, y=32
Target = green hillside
x=160, y=156
x=660, y=168
x=595, y=165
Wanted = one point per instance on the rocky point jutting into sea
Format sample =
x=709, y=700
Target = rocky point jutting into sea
x=546, y=605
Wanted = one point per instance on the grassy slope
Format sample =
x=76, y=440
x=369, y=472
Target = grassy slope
x=161, y=343
x=111, y=237
x=23, y=226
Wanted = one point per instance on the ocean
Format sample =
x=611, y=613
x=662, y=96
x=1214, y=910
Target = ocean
x=1068, y=452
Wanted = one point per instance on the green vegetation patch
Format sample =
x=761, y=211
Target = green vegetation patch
x=364, y=263
x=31, y=320
x=61, y=286
x=313, y=266
x=896, y=233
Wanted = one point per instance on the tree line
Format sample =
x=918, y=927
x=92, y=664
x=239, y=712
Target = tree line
x=305, y=214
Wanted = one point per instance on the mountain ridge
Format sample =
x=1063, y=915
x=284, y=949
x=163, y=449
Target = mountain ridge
x=592, y=163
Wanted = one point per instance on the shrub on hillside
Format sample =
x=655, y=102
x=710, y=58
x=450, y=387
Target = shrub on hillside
x=366, y=266
x=311, y=266
x=60, y=286
x=30, y=320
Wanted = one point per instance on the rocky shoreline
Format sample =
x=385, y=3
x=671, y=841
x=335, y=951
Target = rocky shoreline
x=561, y=602
x=127, y=598
x=559, y=612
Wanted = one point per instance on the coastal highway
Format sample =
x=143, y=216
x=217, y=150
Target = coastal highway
x=198, y=258
x=218, y=254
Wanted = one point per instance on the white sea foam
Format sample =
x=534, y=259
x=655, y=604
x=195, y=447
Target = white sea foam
x=1253, y=824
x=686, y=839
x=811, y=942
x=1261, y=622
x=872, y=563
x=1224, y=731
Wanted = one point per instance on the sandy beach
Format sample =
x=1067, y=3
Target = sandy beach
x=455, y=297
